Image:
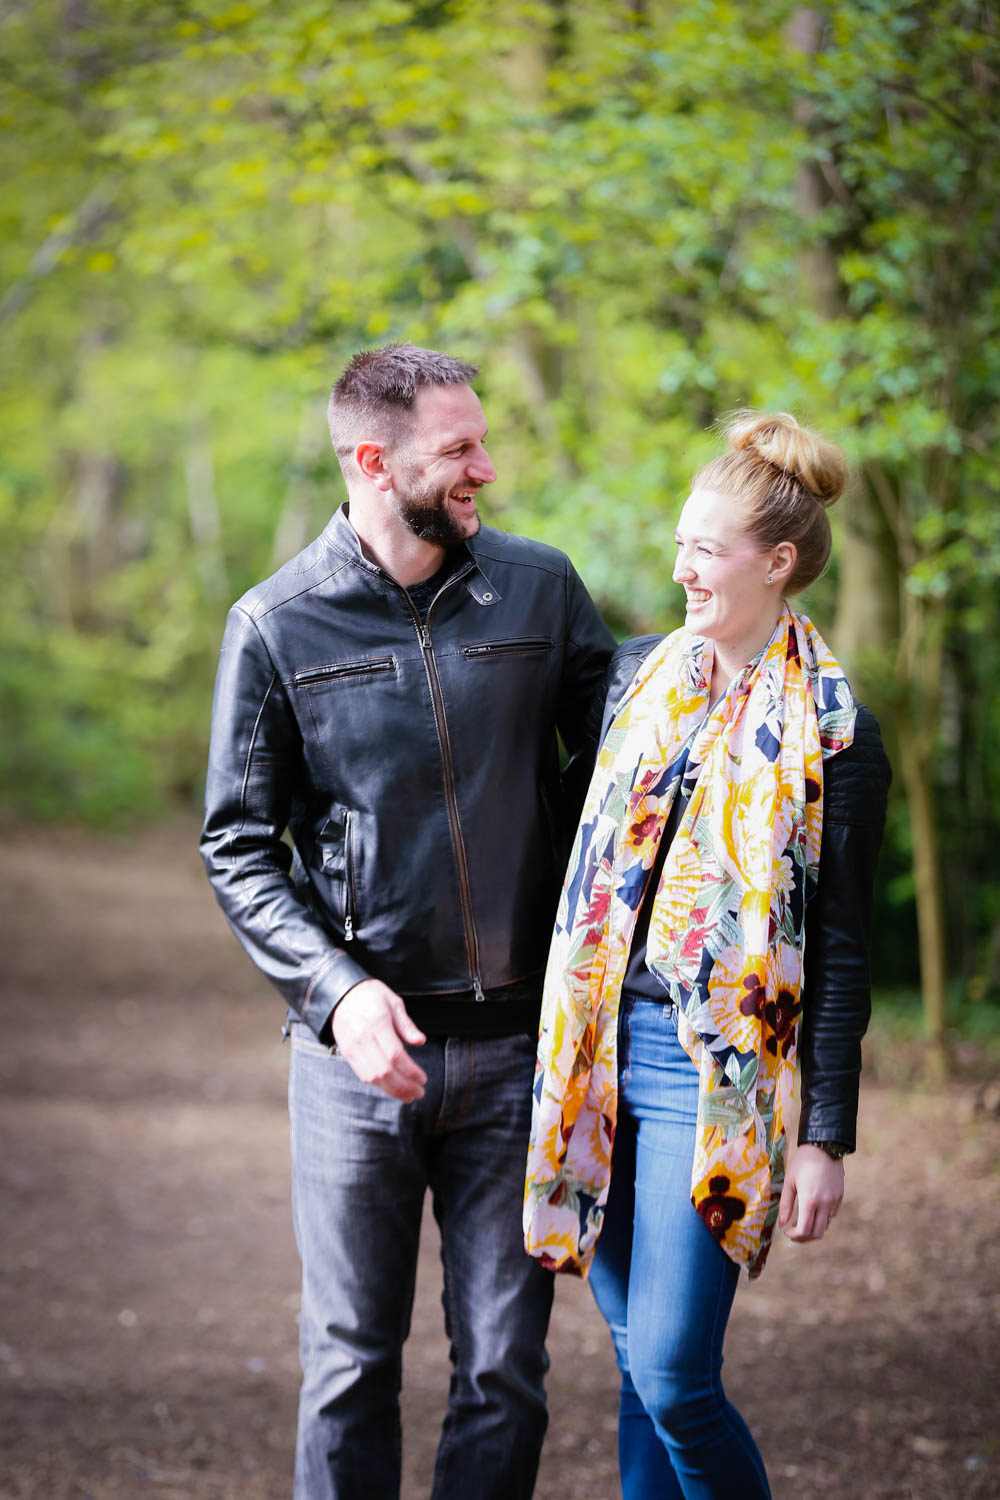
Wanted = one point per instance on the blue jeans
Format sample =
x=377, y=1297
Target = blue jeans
x=665, y=1286
x=361, y=1163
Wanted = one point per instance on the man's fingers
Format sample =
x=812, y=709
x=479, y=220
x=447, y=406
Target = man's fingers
x=395, y=1063
x=379, y=1057
x=370, y=1027
x=407, y=1029
x=396, y=1075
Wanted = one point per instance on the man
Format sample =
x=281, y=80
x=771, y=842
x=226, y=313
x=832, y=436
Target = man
x=391, y=697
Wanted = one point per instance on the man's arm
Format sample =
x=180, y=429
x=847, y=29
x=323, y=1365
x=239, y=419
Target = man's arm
x=589, y=646
x=254, y=760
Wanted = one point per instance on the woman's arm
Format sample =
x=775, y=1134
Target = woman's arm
x=836, y=989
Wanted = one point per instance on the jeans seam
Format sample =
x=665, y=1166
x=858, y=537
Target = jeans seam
x=447, y=1438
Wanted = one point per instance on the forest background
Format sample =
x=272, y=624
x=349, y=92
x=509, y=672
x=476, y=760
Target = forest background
x=633, y=215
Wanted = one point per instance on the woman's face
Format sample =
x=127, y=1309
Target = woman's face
x=723, y=572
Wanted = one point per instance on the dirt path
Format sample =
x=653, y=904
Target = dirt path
x=149, y=1288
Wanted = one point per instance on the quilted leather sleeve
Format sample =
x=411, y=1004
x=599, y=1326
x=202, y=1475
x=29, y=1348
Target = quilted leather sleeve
x=836, y=1000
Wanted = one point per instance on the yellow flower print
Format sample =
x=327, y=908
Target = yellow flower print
x=783, y=875
x=736, y=989
x=750, y=835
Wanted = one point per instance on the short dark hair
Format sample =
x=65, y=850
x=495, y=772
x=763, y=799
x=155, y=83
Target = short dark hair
x=375, y=395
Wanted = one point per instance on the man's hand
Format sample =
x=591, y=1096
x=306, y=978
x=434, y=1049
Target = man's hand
x=813, y=1191
x=370, y=1026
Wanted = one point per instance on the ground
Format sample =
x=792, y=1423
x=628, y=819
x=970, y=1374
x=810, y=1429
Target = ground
x=149, y=1289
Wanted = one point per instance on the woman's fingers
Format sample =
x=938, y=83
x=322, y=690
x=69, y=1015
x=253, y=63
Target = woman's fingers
x=813, y=1192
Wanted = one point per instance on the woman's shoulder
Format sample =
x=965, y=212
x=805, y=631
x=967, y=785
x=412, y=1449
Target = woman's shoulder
x=628, y=657
x=867, y=734
x=857, y=779
x=636, y=648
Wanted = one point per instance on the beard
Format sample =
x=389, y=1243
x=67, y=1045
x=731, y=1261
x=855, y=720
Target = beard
x=424, y=510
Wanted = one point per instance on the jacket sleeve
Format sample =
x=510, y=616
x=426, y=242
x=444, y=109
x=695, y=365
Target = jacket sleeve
x=836, y=1004
x=254, y=766
x=625, y=663
x=589, y=644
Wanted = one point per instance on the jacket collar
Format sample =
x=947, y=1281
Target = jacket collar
x=341, y=535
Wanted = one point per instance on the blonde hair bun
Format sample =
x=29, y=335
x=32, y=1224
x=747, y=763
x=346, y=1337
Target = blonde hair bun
x=777, y=438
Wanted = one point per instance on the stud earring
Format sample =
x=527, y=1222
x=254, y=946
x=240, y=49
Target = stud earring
x=769, y=578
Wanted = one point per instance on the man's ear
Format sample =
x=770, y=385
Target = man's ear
x=371, y=460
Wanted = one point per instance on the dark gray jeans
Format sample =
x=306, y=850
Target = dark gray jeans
x=361, y=1163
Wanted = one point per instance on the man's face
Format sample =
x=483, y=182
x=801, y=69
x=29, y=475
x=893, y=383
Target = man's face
x=442, y=466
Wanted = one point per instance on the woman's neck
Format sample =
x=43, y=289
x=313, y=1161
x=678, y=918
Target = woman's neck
x=728, y=660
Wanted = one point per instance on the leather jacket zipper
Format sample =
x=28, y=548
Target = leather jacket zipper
x=450, y=797
x=526, y=646
x=349, y=906
x=345, y=669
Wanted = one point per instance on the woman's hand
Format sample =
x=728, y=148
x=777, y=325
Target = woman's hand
x=813, y=1191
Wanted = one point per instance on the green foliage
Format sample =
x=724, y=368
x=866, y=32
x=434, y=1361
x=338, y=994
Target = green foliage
x=209, y=207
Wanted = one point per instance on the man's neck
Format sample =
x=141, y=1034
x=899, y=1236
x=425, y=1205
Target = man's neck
x=393, y=547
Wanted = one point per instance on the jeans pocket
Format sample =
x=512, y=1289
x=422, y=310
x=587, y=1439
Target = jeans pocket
x=305, y=1040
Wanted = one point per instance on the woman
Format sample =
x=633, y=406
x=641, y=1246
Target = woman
x=730, y=831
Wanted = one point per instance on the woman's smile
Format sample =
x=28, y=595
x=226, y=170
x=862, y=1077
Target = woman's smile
x=724, y=574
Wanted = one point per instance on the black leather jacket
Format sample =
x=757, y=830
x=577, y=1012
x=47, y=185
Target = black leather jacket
x=415, y=766
x=836, y=995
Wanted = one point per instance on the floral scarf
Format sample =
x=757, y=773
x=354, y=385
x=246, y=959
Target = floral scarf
x=725, y=939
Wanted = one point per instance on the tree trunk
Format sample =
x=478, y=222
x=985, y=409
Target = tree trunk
x=203, y=513
x=875, y=610
x=918, y=714
x=298, y=517
x=917, y=768
x=866, y=623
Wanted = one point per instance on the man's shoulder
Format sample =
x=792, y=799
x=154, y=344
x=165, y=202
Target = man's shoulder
x=307, y=570
x=491, y=545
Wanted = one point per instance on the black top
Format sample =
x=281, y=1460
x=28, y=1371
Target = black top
x=508, y=1011
x=638, y=979
x=422, y=595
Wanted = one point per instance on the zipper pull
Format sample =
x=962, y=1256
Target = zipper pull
x=348, y=929
x=425, y=638
x=477, y=989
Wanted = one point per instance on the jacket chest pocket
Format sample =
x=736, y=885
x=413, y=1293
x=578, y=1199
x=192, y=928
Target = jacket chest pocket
x=528, y=645
x=339, y=860
x=359, y=666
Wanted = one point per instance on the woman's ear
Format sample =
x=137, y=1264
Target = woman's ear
x=783, y=559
